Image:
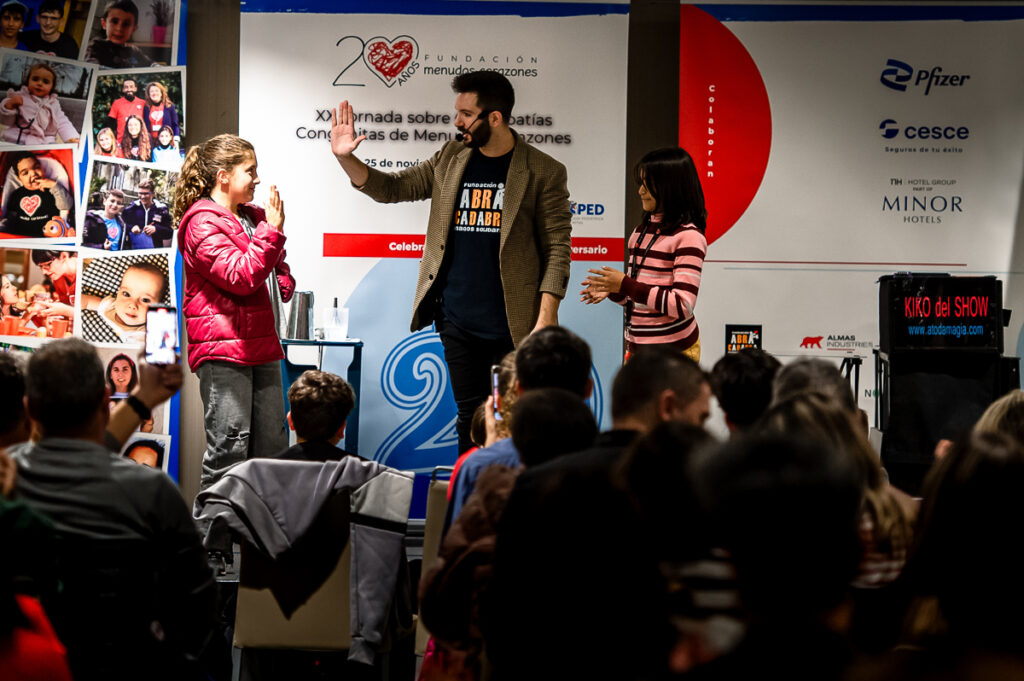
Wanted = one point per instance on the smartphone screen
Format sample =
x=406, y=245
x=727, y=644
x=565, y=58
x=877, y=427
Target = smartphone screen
x=495, y=372
x=161, y=335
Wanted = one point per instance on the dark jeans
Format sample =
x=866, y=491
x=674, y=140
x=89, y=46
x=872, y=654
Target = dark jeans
x=244, y=414
x=469, y=359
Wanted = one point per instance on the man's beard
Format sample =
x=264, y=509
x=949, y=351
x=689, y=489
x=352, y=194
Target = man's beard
x=479, y=135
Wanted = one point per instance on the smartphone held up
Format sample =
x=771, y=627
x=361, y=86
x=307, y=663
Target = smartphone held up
x=161, y=334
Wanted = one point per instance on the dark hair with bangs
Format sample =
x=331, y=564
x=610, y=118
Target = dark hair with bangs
x=671, y=177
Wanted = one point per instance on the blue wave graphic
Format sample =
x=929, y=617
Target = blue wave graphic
x=415, y=378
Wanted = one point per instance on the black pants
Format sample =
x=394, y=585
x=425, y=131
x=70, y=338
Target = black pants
x=469, y=359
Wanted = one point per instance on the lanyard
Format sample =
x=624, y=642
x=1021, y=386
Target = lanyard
x=636, y=263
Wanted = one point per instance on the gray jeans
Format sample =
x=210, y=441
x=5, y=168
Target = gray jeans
x=244, y=414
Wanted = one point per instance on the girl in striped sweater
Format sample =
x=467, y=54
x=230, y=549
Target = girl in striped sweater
x=665, y=256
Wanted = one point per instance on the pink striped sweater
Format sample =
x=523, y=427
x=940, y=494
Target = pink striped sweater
x=662, y=286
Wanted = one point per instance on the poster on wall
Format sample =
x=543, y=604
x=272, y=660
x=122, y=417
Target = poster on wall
x=150, y=101
x=396, y=68
x=39, y=193
x=85, y=245
x=46, y=98
x=130, y=35
x=841, y=143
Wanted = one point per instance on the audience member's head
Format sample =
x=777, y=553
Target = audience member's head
x=576, y=589
x=787, y=509
x=814, y=375
x=1006, y=416
x=320, y=404
x=554, y=357
x=549, y=422
x=478, y=426
x=966, y=550
x=659, y=384
x=657, y=472
x=66, y=389
x=742, y=383
x=811, y=416
x=14, y=424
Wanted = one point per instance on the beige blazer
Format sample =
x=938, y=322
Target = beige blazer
x=535, y=226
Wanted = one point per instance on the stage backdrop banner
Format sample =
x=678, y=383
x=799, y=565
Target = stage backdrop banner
x=394, y=62
x=840, y=143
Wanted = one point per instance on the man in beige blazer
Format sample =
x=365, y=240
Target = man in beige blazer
x=495, y=262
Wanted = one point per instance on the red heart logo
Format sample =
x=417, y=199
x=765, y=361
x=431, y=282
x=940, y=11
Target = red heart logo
x=29, y=204
x=386, y=58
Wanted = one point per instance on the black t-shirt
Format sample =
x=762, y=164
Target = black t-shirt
x=64, y=46
x=28, y=211
x=472, y=296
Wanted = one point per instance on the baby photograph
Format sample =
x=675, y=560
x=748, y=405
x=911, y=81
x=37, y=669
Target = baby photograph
x=45, y=99
x=117, y=291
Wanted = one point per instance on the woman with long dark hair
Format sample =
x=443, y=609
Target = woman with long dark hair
x=665, y=257
x=122, y=376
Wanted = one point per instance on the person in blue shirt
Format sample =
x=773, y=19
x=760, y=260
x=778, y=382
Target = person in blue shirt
x=104, y=227
x=552, y=357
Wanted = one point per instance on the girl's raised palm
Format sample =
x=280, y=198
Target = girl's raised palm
x=275, y=209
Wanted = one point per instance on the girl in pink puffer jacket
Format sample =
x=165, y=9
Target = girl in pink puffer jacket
x=231, y=248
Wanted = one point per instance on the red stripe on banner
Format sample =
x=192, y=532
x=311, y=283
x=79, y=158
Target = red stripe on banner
x=411, y=246
x=373, y=245
x=594, y=248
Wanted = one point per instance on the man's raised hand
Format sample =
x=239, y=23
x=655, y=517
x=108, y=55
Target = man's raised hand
x=343, y=131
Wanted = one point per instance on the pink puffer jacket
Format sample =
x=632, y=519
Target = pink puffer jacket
x=227, y=309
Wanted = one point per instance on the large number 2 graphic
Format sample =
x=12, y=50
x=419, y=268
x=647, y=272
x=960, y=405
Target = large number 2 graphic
x=359, y=55
x=414, y=378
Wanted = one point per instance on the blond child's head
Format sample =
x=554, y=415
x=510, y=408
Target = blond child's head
x=106, y=142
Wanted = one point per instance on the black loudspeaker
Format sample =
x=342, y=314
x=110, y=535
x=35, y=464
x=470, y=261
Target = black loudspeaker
x=935, y=395
x=940, y=364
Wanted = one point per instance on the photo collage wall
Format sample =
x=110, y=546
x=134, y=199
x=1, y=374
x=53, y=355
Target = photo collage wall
x=92, y=137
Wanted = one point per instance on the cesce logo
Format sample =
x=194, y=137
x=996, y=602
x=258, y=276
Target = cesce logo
x=898, y=74
x=891, y=129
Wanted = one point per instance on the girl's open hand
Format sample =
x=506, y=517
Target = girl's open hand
x=275, y=209
x=605, y=280
x=589, y=296
x=343, y=131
